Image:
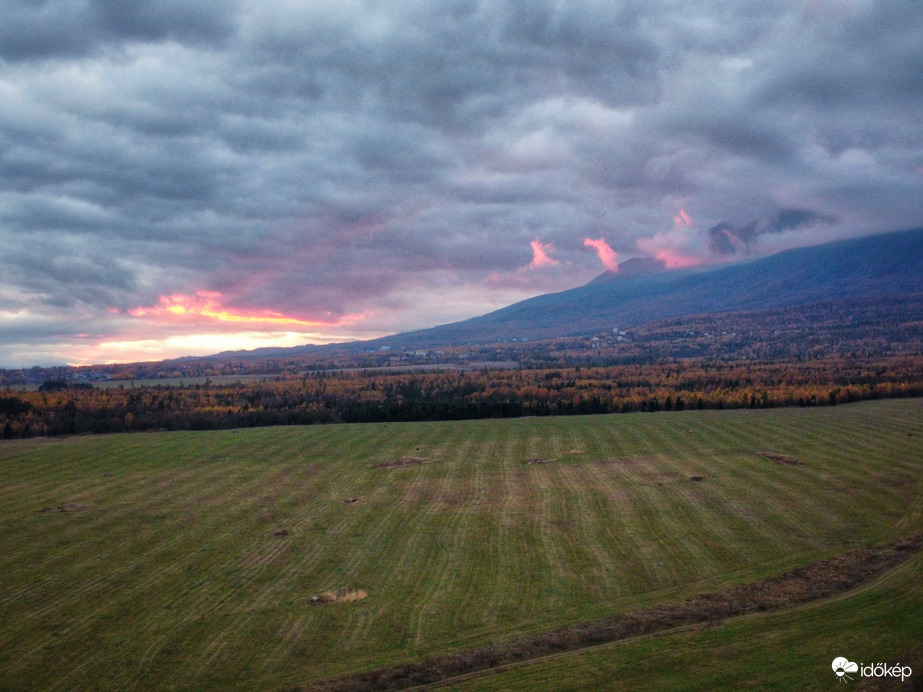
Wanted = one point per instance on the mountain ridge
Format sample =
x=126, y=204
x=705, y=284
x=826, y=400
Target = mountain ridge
x=885, y=264
x=869, y=266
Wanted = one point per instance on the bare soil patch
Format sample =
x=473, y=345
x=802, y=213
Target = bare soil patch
x=812, y=582
x=697, y=478
x=783, y=459
x=345, y=594
x=281, y=533
x=538, y=460
x=403, y=461
x=68, y=507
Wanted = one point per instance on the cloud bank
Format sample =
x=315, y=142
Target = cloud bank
x=359, y=168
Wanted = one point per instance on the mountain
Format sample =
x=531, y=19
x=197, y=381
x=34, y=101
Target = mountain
x=870, y=267
x=636, y=266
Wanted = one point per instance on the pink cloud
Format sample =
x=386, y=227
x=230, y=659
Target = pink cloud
x=606, y=254
x=681, y=218
x=540, y=255
x=676, y=248
x=676, y=261
x=207, y=306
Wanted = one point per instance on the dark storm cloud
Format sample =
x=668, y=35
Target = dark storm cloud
x=34, y=29
x=725, y=239
x=318, y=158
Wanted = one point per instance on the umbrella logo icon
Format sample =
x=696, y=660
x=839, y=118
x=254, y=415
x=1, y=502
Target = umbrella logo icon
x=841, y=666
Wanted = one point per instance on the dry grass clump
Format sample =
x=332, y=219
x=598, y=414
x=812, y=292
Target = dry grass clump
x=403, y=461
x=783, y=459
x=345, y=594
x=67, y=507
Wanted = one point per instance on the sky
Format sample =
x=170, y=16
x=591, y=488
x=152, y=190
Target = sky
x=183, y=177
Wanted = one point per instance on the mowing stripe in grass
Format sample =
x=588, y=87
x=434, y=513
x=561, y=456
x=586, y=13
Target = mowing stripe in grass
x=173, y=578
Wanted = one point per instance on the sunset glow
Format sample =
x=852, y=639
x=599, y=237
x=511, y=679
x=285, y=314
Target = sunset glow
x=142, y=349
x=674, y=260
x=208, y=304
x=606, y=254
x=541, y=256
x=671, y=248
x=181, y=168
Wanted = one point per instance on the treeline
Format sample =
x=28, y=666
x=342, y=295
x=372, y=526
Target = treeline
x=379, y=397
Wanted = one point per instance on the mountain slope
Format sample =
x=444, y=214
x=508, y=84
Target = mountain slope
x=882, y=265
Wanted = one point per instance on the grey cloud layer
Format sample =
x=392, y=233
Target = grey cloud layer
x=59, y=29
x=324, y=157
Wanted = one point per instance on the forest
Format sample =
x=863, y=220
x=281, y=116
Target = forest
x=62, y=408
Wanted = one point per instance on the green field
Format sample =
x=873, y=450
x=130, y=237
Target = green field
x=151, y=561
x=781, y=651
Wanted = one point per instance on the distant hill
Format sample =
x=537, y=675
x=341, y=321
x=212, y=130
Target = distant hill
x=870, y=267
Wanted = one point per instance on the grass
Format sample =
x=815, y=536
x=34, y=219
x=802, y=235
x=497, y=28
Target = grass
x=789, y=650
x=156, y=564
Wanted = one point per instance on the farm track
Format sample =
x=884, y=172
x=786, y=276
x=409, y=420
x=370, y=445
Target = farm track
x=172, y=576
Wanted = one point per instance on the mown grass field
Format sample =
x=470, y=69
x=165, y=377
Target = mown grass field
x=151, y=561
x=789, y=650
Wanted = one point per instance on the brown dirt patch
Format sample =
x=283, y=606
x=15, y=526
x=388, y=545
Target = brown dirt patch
x=812, y=582
x=577, y=451
x=538, y=460
x=68, y=507
x=697, y=478
x=281, y=533
x=403, y=461
x=345, y=594
x=783, y=459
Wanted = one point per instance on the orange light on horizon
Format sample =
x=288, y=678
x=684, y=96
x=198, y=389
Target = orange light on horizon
x=161, y=347
x=207, y=304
